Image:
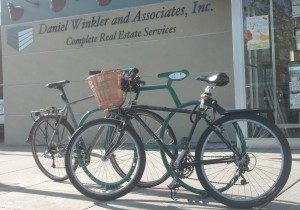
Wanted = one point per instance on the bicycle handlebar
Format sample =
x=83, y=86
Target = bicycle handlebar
x=132, y=81
x=93, y=72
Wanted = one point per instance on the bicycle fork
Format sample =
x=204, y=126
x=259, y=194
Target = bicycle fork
x=112, y=141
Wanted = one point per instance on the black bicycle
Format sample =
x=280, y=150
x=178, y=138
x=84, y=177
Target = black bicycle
x=241, y=159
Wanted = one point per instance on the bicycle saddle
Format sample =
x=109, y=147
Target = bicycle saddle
x=57, y=84
x=219, y=79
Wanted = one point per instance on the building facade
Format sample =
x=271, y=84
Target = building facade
x=254, y=42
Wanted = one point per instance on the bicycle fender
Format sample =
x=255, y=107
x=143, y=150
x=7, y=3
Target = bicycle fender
x=246, y=111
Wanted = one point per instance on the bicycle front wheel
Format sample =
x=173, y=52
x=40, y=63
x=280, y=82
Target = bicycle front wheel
x=98, y=146
x=49, y=140
x=252, y=175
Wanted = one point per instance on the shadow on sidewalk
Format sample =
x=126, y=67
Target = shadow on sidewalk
x=158, y=198
x=186, y=200
x=8, y=188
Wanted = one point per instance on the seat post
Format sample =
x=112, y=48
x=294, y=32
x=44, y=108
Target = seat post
x=63, y=94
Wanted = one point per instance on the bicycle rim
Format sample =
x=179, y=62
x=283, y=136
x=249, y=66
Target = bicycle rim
x=97, y=148
x=257, y=175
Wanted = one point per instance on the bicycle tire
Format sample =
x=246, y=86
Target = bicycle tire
x=95, y=176
x=49, y=156
x=254, y=178
x=155, y=172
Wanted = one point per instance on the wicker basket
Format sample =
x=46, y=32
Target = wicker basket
x=106, y=87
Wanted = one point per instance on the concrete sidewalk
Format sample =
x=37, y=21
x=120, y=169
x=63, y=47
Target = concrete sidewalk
x=23, y=186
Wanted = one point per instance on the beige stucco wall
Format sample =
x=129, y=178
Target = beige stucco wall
x=201, y=43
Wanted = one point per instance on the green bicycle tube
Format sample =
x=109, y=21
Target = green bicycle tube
x=164, y=86
x=97, y=181
x=86, y=115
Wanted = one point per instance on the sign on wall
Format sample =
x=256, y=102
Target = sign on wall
x=20, y=11
x=257, y=33
x=294, y=84
x=134, y=24
x=295, y=8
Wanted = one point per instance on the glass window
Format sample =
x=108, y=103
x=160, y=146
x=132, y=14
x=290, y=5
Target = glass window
x=272, y=60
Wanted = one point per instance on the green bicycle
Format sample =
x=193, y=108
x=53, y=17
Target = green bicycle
x=241, y=159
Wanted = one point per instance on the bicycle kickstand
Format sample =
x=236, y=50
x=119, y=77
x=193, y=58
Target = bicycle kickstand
x=174, y=187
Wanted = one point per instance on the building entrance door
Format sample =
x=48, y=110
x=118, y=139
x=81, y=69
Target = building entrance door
x=272, y=60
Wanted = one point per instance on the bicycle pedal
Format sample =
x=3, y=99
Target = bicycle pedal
x=174, y=191
x=174, y=187
x=173, y=184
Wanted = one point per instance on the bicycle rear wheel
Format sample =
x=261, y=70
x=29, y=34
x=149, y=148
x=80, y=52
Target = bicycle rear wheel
x=48, y=142
x=98, y=146
x=256, y=174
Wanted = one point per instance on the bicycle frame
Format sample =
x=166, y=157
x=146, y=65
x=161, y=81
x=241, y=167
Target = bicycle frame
x=62, y=113
x=202, y=106
x=200, y=114
x=69, y=109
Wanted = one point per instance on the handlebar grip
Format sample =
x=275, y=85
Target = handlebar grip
x=93, y=72
x=133, y=72
x=131, y=75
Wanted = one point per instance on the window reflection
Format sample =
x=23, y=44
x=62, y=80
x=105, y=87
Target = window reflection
x=268, y=70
